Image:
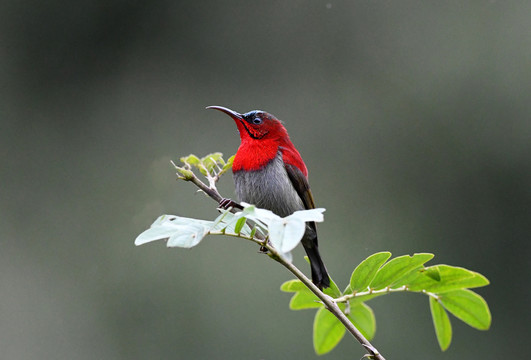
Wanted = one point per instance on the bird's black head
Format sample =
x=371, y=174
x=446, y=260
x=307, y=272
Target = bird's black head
x=256, y=117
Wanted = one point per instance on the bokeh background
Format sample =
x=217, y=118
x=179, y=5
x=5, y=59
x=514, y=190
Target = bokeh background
x=414, y=120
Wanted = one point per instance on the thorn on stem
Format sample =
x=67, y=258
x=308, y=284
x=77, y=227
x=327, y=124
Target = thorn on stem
x=371, y=349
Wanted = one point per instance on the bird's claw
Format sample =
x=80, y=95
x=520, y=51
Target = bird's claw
x=228, y=203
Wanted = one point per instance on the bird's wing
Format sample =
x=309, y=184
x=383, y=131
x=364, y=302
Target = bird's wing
x=301, y=185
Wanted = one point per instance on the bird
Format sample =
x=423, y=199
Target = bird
x=269, y=173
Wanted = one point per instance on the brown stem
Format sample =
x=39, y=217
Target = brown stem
x=213, y=193
x=327, y=300
x=329, y=304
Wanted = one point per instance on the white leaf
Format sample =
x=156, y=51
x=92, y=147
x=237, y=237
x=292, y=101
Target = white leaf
x=251, y=212
x=188, y=236
x=153, y=234
x=182, y=232
x=309, y=215
x=286, y=233
x=288, y=257
x=223, y=220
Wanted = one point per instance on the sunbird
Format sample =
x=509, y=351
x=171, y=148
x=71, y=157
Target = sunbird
x=269, y=172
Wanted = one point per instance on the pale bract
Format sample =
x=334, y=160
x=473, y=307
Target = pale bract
x=284, y=233
x=178, y=231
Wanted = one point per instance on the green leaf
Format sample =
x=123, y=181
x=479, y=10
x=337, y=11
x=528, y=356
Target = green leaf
x=293, y=286
x=303, y=297
x=327, y=331
x=406, y=278
x=441, y=322
x=228, y=165
x=348, y=290
x=362, y=316
x=231, y=159
x=191, y=160
x=246, y=231
x=333, y=290
x=450, y=278
x=304, y=300
x=364, y=273
x=217, y=156
x=253, y=232
x=185, y=174
x=433, y=273
x=202, y=169
x=208, y=165
x=211, y=160
x=467, y=306
x=239, y=225
x=397, y=268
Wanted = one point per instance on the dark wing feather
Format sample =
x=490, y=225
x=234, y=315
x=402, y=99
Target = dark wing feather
x=301, y=185
x=309, y=242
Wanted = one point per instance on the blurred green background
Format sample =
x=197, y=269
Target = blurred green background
x=414, y=119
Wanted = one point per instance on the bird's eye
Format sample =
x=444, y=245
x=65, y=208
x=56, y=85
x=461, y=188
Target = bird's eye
x=257, y=121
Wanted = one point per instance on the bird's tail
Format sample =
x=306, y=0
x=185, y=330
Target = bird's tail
x=319, y=274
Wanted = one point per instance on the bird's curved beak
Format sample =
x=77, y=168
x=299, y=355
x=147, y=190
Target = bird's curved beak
x=233, y=114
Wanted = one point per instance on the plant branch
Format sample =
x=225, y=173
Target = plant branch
x=328, y=302
x=387, y=290
x=256, y=241
x=211, y=190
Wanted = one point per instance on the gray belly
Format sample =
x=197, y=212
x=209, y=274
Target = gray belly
x=269, y=188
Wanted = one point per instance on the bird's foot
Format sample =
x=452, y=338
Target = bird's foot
x=228, y=203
